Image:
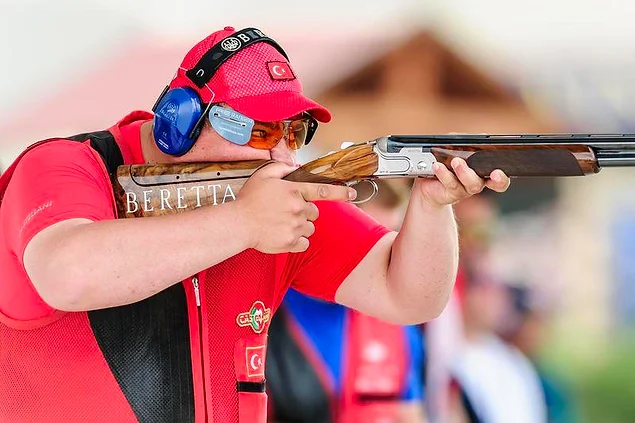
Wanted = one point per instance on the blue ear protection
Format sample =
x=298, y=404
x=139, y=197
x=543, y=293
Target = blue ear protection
x=175, y=119
x=179, y=112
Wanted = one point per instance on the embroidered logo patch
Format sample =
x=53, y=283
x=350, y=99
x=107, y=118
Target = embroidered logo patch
x=280, y=70
x=257, y=317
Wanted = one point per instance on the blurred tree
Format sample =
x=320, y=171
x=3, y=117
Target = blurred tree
x=607, y=389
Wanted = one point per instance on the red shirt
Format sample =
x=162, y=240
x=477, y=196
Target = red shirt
x=227, y=327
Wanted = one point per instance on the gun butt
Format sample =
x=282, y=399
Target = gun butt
x=155, y=190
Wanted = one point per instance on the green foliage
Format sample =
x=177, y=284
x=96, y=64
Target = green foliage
x=607, y=393
x=601, y=377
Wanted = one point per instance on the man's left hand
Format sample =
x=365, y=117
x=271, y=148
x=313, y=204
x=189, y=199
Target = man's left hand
x=450, y=187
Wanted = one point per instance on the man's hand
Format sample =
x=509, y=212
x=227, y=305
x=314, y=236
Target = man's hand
x=449, y=188
x=279, y=214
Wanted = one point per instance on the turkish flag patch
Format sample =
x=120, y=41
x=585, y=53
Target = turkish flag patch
x=255, y=360
x=280, y=70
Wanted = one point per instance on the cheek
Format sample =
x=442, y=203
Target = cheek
x=212, y=149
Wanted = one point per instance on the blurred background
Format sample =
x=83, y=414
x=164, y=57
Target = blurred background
x=401, y=67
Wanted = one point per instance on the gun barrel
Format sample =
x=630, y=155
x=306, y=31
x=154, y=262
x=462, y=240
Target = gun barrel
x=595, y=141
x=615, y=158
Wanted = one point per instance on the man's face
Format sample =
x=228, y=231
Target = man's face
x=485, y=305
x=477, y=218
x=210, y=146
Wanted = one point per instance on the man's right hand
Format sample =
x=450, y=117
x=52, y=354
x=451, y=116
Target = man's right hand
x=278, y=215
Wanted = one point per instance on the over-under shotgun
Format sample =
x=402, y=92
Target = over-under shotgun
x=148, y=190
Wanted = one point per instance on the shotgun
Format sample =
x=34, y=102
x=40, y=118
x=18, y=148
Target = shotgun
x=150, y=190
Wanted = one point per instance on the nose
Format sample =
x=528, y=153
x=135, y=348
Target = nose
x=283, y=153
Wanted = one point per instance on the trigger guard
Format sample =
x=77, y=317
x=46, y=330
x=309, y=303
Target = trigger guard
x=371, y=196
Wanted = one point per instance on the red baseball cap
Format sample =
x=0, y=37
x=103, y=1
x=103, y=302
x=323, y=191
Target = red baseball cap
x=257, y=81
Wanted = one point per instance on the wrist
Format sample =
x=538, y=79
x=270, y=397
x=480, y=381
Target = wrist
x=429, y=206
x=239, y=221
x=243, y=223
x=427, y=200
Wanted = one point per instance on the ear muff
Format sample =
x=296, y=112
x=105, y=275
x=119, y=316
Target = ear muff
x=176, y=114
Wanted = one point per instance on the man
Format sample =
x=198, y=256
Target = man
x=328, y=363
x=165, y=319
x=496, y=381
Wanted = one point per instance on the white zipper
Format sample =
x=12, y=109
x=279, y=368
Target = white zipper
x=197, y=294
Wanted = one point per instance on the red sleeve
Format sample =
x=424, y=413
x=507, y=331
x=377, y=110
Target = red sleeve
x=343, y=235
x=56, y=181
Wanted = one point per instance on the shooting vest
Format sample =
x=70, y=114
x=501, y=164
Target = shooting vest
x=194, y=352
x=374, y=368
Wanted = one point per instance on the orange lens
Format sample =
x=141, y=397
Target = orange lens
x=296, y=133
x=266, y=135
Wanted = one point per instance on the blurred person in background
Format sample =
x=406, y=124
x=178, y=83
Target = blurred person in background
x=525, y=327
x=445, y=335
x=328, y=363
x=491, y=380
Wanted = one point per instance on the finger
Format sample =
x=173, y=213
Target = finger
x=498, y=181
x=447, y=178
x=313, y=192
x=276, y=170
x=312, y=211
x=307, y=229
x=302, y=244
x=472, y=183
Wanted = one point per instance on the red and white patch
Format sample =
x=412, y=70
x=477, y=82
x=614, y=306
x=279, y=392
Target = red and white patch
x=280, y=70
x=255, y=360
x=250, y=355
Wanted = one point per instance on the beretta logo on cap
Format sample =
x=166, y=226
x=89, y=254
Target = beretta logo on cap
x=233, y=43
x=230, y=44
